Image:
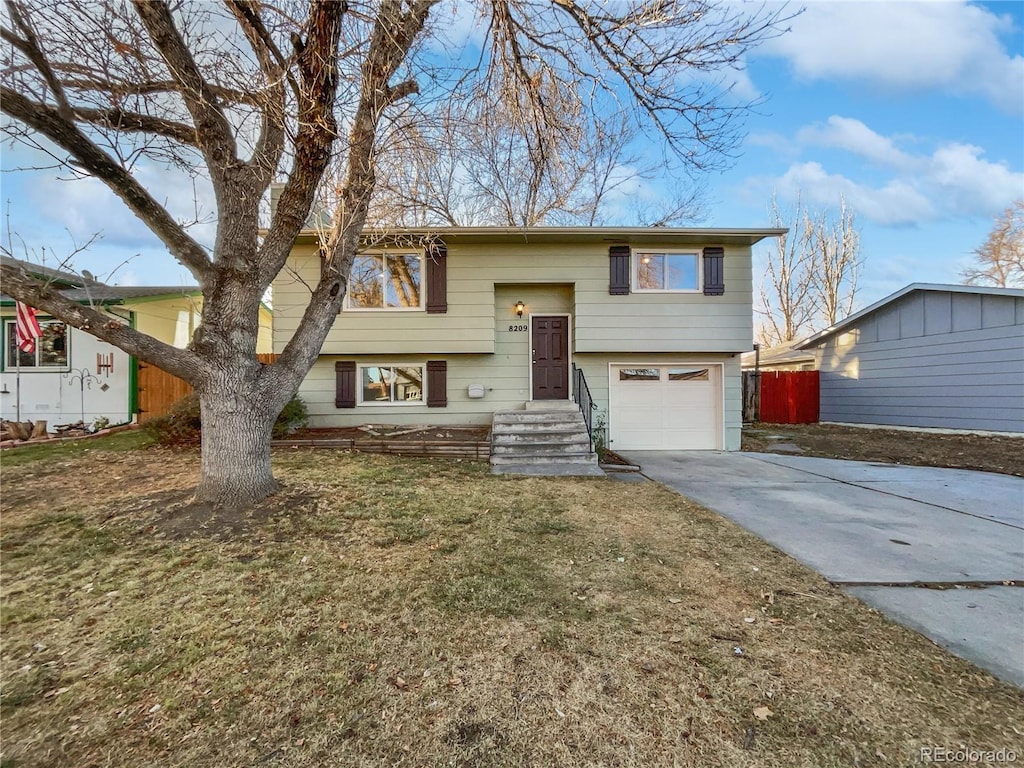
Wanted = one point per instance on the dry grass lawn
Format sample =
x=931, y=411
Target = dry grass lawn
x=985, y=453
x=400, y=612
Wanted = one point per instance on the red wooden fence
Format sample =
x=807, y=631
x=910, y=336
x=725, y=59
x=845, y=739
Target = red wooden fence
x=789, y=397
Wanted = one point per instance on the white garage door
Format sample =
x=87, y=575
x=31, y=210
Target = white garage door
x=665, y=407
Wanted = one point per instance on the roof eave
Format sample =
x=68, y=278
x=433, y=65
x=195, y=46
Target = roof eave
x=611, y=235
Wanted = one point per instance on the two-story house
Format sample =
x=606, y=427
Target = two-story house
x=449, y=326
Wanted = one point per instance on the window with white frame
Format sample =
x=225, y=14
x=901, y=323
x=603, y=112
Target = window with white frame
x=386, y=281
x=391, y=384
x=51, y=348
x=666, y=271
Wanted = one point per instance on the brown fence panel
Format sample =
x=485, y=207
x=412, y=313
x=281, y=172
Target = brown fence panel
x=751, y=396
x=789, y=397
x=158, y=389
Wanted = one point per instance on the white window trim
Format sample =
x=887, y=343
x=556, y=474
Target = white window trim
x=390, y=403
x=634, y=270
x=347, y=307
x=10, y=333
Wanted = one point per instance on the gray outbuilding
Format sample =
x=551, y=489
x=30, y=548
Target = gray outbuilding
x=946, y=356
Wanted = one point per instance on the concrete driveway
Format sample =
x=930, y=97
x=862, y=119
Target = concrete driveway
x=877, y=529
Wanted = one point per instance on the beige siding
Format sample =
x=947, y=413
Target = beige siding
x=648, y=322
x=265, y=338
x=174, y=320
x=505, y=375
x=169, y=320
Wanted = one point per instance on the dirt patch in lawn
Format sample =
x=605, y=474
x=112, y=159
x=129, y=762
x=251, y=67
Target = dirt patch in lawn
x=987, y=453
x=422, y=612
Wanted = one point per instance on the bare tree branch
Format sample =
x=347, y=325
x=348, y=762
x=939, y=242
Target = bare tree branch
x=92, y=159
x=999, y=261
x=216, y=139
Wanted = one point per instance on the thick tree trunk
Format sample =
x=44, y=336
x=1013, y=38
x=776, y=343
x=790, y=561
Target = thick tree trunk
x=235, y=470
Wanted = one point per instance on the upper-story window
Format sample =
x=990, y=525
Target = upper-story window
x=51, y=348
x=386, y=281
x=666, y=271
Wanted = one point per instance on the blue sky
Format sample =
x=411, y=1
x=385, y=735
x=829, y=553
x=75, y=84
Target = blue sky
x=913, y=111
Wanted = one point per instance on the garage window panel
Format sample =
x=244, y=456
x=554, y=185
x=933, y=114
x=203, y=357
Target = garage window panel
x=688, y=374
x=639, y=374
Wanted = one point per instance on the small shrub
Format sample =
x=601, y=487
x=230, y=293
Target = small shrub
x=601, y=437
x=182, y=424
x=292, y=417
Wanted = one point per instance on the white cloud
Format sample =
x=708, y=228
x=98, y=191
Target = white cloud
x=948, y=46
x=854, y=136
x=894, y=203
x=954, y=180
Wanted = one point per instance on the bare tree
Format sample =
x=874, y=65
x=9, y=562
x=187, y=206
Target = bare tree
x=786, y=309
x=476, y=166
x=1000, y=260
x=835, y=258
x=810, y=278
x=240, y=92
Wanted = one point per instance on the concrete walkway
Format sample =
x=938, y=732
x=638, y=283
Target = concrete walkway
x=877, y=529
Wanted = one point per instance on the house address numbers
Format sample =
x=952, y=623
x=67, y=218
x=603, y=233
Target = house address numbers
x=519, y=327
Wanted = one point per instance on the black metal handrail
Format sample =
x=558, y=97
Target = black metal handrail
x=581, y=394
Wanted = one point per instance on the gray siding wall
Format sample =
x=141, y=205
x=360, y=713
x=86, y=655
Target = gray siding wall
x=930, y=359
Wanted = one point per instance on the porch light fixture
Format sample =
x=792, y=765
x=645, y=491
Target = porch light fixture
x=520, y=307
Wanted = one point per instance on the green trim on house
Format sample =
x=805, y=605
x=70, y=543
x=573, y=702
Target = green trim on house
x=161, y=297
x=133, y=377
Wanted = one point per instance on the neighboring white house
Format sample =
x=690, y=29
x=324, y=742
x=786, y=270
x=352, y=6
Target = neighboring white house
x=450, y=325
x=785, y=357
x=947, y=356
x=73, y=376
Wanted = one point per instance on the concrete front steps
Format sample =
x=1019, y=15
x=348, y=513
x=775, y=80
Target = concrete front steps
x=547, y=437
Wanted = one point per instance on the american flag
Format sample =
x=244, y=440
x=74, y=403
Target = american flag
x=27, y=329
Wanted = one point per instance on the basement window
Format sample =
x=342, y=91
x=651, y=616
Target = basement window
x=391, y=385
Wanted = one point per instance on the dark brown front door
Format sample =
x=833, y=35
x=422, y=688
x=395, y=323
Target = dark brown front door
x=550, y=358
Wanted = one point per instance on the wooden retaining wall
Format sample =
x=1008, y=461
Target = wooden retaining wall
x=445, y=448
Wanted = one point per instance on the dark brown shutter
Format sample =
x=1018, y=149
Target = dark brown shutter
x=618, y=270
x=714, y=271
x=437, y=278
x=437, y=384
x=345, y=384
